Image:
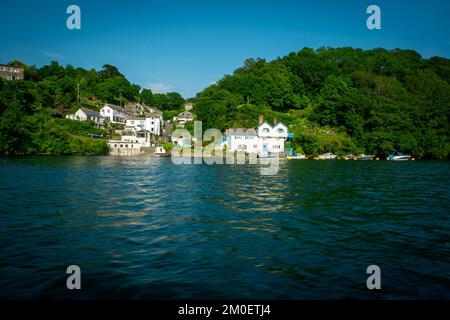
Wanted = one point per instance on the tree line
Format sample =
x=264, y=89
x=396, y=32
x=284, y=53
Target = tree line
x=32, y=110
x=340, y=100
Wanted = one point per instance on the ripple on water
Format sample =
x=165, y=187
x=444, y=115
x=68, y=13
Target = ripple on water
x=149, y=229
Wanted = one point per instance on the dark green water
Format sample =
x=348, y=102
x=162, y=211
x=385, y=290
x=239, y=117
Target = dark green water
x=145, y=228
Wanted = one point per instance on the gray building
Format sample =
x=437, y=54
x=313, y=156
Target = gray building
x=11, y=73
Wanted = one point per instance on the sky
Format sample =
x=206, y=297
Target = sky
x=184, y=46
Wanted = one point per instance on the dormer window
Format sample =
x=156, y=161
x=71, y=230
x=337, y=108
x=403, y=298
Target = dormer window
x=265, y=130
x=280, y=130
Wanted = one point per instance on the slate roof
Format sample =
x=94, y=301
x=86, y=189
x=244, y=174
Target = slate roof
x=241, y=132
x=90, y=113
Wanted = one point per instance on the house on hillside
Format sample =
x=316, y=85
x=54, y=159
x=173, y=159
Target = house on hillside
x=132, y=142
x=242, y=140
x=84, y=114
x=151, y=124
x=114, y=114
x=184, y=117
x=265, y=139
x=271, y=139
x=8, y=72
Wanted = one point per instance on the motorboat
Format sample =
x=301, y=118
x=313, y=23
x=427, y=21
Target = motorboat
x=296, y=157
x=399, y=157
x=327, y=156
x=365, y=157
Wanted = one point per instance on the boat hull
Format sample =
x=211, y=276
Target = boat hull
x=401, y=158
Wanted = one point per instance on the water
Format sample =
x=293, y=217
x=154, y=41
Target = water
x=145, y=228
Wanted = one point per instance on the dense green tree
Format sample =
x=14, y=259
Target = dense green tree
x=376, y=100
x=147, y=97
x=32, y=110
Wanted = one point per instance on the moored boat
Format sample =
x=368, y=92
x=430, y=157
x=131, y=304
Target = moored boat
x=327, y=156
x=399, y=157
x=296, y=157
x=365, y=157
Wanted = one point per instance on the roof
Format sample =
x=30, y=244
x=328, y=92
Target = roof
x=241, y=132
x=185, y=114
x=117, y=108
x=90, y=113
x=155, y=114
x=9, y=66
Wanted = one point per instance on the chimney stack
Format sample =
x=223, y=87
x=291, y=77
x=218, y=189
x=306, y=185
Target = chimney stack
x=275, y=121
x=261, y=119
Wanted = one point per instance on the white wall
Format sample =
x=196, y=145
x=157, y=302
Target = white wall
x=243, y=143
x=153, y=125
x=80, y=115
x=113, y=115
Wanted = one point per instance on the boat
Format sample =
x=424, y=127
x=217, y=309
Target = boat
x=327, y=156
x=399, y=157
x=296, y=157
x=365, y=157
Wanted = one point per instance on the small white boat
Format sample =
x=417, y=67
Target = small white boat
x=365, y=157
x=400, y=157
x=296, y=157
x=327, y=156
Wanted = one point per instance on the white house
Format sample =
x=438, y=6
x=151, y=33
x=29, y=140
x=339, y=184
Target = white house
x=271, y=139
x=184, y=117
x=242, y=140
x=265, y=139
x=132, y=142
x=114, y=113
x=83, y=114
x=151, y=124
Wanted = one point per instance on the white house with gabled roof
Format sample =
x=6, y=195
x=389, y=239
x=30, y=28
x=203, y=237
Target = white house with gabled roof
x=242, y=139
x=266, y=139
x=84, y=114
x=271, y=139
x=114, y=113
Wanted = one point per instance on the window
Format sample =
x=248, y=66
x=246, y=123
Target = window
x=121, y=145
x=280, y=130
x=115, y=146
x=276, y=147
x=265, y=130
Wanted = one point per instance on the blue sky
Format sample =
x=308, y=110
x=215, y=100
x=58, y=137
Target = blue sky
x=172, y=45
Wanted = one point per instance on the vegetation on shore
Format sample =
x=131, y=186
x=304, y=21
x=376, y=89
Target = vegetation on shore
x=32, y=110
x=340, y=100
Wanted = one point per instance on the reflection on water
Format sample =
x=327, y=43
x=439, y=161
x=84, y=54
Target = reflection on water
x=145, y=228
